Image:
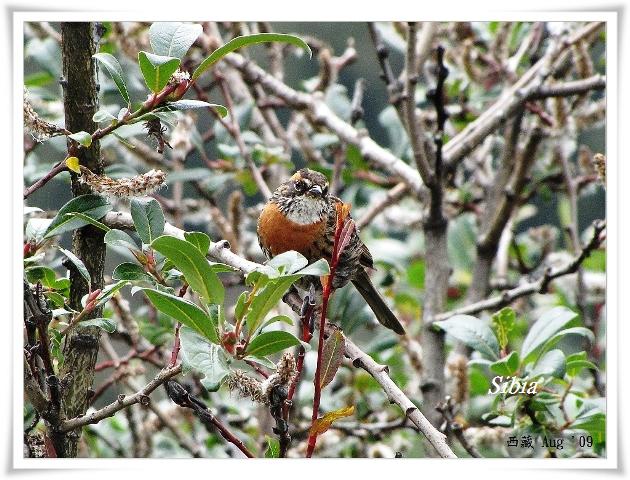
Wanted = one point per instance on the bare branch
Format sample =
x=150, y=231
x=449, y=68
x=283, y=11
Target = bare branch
x=392, y=196
x=538, y=286
x=141, y=396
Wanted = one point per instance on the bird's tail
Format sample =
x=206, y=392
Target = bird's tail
x=383, y=314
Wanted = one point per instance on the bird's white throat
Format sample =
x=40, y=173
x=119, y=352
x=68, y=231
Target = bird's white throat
x=306, y=210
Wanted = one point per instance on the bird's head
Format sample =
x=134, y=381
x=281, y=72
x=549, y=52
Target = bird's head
x=303, y=198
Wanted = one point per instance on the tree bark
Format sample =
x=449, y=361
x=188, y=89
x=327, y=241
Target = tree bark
x=436, y=286
x=80, y=104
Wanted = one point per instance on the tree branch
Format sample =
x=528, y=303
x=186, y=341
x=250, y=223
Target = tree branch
x=141, y=396
x=538, y=286
x=220, y=251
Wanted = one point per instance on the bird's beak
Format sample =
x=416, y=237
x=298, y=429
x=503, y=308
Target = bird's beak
x=316, y=190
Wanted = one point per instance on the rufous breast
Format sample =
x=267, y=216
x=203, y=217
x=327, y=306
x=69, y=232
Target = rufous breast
x=278, y=234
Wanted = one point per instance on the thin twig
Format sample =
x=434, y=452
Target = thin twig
x=538, y=286
x=391, y=197
x=181, y=397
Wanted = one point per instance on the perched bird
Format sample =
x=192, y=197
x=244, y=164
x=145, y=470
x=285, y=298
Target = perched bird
x=301, y=215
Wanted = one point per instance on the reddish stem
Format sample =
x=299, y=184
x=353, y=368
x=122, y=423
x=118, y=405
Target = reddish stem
x=306, y=337
x=328, y=289
x=312, y=437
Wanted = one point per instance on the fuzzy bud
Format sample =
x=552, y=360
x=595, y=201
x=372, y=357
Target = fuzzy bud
x=599, y=161
x=239, y=381
x=39, y=128
x=137, y=186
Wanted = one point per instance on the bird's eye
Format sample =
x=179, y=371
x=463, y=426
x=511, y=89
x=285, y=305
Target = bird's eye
x=325, y=189
x=300, y=186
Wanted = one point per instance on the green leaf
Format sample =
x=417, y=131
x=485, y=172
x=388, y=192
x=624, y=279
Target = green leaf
x=503, y=322
x=118, y=238
x=576, y=362
x=115, y=71
x=506, y=366
x=93, y=206
x=84, y=138
x=271, y=342
x=549, y=323
x=192, y=104
x=156, y=69
x=109, y=291
x=103, y=116
x=266, y=299
x=183, y=311
x=193, y=264
x=472, y=332
x=46, y=275
x=582, y=331
x=288, y=262
x=131, y=271
x=148, y=218
x=318, y=268
x=89, y=220
x=173, y=39
x=332, y=356
x=593, y=423
x=273, y=447
x=595, y=261
x=239, y=308
x=243, y=41
x=78, y=264
x=206, y=358
x=272, y=320
x=106, y=324
x=551, y=363
x=199, y=240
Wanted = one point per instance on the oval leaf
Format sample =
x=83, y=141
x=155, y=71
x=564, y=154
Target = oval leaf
x=93, y=206
x=131, y=271
x=551, y=363
x=549, y=323
x=243, y=41
x=148, y=218
x=271, y=342
x=199, y=240
x=506, y=366
x=193, y=264
x=106, y=324
x=84, y=138
x=173, y=39
x=156, y=69
x=206, y=358
x=118, y=238
x=73, y=164
x=78, y=264
x=323, y=423
x=266, y=299
x=473, y=332
x=191, y=104
x=183, y=311
x=332, y=356
x=115, y=71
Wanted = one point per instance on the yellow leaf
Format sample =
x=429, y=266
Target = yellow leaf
x=73, y=164
x=323, y=423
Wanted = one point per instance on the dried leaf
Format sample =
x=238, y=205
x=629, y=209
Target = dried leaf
x=346, y=235
x=73, y=164
x=332, y=356
x=323, y=423
x=343, y=210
